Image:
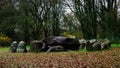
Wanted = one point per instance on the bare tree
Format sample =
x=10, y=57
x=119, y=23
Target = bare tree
x=98, y=18
x=39, y=10
x=57, y=12
x=85, y=12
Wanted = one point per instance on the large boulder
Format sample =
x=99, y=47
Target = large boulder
x=99, y=44
x=48, y=40
x=72, y=44
x=67, y=43
x=36, y=46
x=96, y=46
x=89, y=46
x=13, y=47
x=55, y=48
x=82, y=43
x=21, y=47
x=46, y=43
x=106, y=44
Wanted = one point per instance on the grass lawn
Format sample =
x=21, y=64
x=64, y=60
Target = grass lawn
x=115, y=45
x=4, y=49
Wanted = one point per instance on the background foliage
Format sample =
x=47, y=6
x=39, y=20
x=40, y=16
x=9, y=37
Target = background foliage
x=36, y=19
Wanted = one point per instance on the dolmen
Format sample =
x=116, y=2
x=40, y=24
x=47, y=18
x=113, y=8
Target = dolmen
x=60, y=43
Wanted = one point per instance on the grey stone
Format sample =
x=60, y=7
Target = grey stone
x=106, y=44
x=21, y=47
x=13, y=46
x=96, y=46
x=55, y=48
x=99, y=44
x=90, y=43
x=82, y=43
x=36, y=46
